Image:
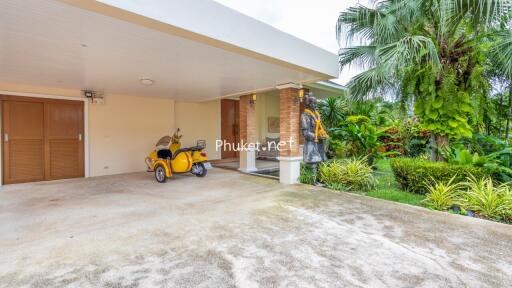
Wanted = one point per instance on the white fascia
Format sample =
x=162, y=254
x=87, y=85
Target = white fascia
x=218, y=25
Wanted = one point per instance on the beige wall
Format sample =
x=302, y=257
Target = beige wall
x=199, y=121
x=124, y=129
x=267, y=105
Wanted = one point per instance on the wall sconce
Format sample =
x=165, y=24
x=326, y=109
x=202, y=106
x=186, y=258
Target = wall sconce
x=252, y=101
x=301, y=95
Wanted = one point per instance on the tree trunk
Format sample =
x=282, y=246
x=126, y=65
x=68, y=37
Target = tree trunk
x=500, y=118
x=433, y=147
x=439, y=144
x=485, y=116
x=509, y=112
x=442, y=145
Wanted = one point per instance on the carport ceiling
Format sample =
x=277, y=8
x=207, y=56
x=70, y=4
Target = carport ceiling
x=53, y=44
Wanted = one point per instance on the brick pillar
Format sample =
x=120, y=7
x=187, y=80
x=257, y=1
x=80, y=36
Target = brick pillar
x=289, y=156
x=247, y=120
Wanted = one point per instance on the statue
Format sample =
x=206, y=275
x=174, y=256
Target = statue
x=314, y=134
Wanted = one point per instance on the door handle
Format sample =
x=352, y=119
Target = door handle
x=80, y=137
x=6, y=137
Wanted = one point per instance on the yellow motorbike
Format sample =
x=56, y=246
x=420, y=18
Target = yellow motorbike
x=169, y=158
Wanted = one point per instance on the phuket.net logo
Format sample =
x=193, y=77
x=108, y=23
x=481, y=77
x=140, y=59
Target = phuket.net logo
x=254, y=146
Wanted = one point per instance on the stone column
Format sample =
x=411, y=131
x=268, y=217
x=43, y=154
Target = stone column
x=247, y=122
x=289, y=155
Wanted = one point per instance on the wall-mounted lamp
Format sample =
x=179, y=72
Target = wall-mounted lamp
x=95, y=96
x=301, y=95
x=252, y=101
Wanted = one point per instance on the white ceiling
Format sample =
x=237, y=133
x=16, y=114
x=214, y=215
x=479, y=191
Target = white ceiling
x=41, y=44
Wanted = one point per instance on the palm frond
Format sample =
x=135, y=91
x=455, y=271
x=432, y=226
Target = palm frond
x=502, y=53
x=482, y=12
x=410, y=50
x=374, y=82
x=364, y=56
x=358, y=20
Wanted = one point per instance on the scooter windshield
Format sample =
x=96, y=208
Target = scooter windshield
x=164, y=142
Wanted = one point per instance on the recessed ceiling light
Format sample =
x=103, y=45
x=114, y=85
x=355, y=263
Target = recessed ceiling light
x=146, y=81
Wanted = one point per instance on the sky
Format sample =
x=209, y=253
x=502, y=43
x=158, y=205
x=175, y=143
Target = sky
x=312, y=21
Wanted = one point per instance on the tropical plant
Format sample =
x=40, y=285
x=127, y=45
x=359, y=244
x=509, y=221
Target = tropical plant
x=351, y=173
x=442, y=195
x=380, y=112
x=307, y=174
x=333, y=110
x=434, y=50
x=487, y=199
x=497, y=162
x=360, y=135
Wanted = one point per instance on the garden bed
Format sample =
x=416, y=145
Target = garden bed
x=387, y=188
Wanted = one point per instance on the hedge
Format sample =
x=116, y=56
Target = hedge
x=412, y=173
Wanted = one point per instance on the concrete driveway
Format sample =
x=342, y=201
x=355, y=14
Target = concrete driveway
x=234, y=230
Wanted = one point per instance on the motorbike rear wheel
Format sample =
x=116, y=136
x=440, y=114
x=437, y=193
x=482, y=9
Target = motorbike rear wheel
x=160, y=174
x=199, y=170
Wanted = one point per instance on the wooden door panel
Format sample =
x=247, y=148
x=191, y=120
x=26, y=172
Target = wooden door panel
x=64, y=159
x=26, y=120
x=64, y=121
x=23, y=141
x=64, y=140
x=26, y=161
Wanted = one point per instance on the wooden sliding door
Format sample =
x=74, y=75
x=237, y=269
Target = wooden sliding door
x=42, y=139
x=64, y=138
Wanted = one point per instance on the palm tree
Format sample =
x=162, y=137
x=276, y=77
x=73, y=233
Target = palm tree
x=425, y=50
x=501, y=59
x=333, y=110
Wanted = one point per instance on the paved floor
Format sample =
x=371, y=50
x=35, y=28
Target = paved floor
x=229, y=230
x=234, y=164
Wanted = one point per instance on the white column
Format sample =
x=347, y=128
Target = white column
x=289, y=169
x=248, y=161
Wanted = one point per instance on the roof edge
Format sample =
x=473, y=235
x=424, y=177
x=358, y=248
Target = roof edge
x=156, y=23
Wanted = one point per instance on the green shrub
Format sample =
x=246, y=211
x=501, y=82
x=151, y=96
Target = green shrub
x=307, y=175
x=442, y=195
x=413, y=173
x=337, y=187
x=487, y=199
x=350, y=173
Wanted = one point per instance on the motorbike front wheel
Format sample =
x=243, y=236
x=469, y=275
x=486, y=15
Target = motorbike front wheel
x=160, y=174
x=199, y=170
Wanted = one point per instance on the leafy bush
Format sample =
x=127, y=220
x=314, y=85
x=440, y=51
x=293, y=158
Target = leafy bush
x=337, y=186
x=442, y=195
x=497, y=163
x=358, y=119
x=307, y=175
x=359, y=140
x=487, y=199
x=351, y=173
x=412, y=173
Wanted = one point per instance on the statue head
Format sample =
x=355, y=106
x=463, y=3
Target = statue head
x=310, y=102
